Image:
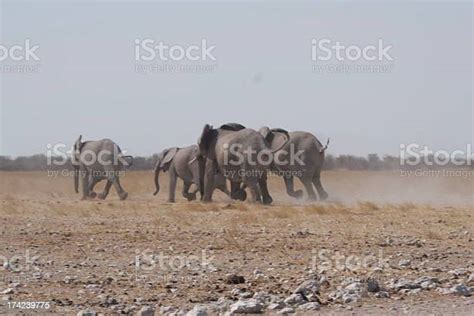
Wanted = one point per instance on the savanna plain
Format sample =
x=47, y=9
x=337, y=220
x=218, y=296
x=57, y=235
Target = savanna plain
x=382, y=243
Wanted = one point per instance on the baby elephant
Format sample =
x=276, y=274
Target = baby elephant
x=186, y=164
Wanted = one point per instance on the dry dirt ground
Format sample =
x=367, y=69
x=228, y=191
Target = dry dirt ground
x=117, y=256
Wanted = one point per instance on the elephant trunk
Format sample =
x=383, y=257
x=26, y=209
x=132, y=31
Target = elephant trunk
x=157, y=177
x=76, y=179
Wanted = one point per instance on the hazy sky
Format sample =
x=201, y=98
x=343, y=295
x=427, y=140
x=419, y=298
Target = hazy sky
x=263, y=75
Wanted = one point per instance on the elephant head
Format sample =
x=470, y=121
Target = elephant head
x=209, y=135
x=163, y=163
x=75, y=161
x=276, y=138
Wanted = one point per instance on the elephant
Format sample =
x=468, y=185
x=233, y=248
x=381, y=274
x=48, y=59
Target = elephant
x=306, y=163
x=97, y=160
x=186, y=164
x=237, y=153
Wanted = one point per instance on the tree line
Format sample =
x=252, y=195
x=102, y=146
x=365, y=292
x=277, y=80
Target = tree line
x=349, y=162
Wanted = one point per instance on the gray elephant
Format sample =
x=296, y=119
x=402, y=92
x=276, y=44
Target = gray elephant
x=237, y=153
x=186, y=164
x=94, y=161
x=303, y=157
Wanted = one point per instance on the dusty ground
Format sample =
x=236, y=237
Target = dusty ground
x=378, y=225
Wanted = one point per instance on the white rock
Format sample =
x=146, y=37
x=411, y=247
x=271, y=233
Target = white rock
x=87, y=312
x=198, y=310
x=286, y=310
x=250, y=306
x=295, y=299
x=7, y=291
x=312, y=306
x=459, y=272
x=461, y=289
x=276, y=306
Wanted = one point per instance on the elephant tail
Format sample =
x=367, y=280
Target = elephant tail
x=157, y=178
x=323, y=149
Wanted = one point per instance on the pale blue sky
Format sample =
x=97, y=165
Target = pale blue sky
x=87, y=84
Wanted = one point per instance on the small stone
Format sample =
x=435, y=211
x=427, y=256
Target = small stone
x=373, y=286
x=286, y=310
x=404, y=263
x=198, y=310
x=7, y=291
x=87, y=312
x=461, y=289
x=276, y=306
x=167, y=309
x=470, y=279
x=235, y=279
x=295, y=299
x=307, y=288
x=458, y=272
x=382, y=294
x=312, y=306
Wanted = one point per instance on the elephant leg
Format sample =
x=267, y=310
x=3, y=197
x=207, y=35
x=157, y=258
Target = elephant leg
x=319, y=187
x=120, y=191
x=266, y=198
x=92, y=183
x=236, y=193
x=185, y=192
x=308, y=184
x=172, y=186
x=209, y=175
x=254, y=192
x=104, y=193
x=85, y=184
x=290, y=188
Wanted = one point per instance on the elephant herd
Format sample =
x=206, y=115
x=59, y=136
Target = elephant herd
x=231, y=152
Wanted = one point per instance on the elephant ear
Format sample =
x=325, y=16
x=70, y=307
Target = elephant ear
x=168, y=156
x=277, y=138
x=232, y=127
x=76, y=151
x=207, y=136
x=265, y=132
x=78, y=143
x=195, y=155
